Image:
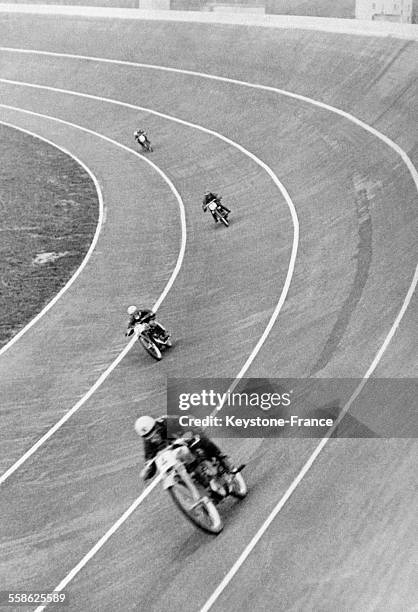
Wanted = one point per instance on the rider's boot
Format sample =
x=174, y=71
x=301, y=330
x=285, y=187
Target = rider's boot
x=163, y=334
x=217, y=493
x=227, y=463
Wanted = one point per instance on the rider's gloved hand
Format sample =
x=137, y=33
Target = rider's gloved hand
x=188, y=436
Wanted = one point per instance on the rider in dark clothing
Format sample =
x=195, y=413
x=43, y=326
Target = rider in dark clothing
x=156, y=436
x=210, y=197
x=144, y=315
x=141, y=137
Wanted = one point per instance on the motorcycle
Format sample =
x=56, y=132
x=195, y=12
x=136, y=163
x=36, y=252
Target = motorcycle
x=218, y=212
x=144, y=142
x=197, y=484
x=152, y=342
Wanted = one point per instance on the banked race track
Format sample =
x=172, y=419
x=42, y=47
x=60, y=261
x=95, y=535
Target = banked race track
x=314, y=277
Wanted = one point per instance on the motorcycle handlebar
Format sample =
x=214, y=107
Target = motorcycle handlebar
x=186, y=441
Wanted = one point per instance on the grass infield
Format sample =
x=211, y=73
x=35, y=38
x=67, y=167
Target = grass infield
x=48, y=216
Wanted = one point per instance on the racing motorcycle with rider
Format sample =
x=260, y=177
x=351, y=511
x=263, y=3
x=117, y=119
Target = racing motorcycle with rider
x=212, y=201
x=141, y=137
x=193, y=469
x=152, y=335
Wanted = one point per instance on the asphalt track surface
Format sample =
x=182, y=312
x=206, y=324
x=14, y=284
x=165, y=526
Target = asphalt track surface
x=344, y=540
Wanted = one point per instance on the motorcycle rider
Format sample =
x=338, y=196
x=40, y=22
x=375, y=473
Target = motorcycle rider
x=147, y=316
x=141, y=137
x=155, y=436
x=210, y=197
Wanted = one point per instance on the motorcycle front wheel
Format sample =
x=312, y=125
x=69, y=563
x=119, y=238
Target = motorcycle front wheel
x=203, y=513
x=150, y=347
x=224, y=221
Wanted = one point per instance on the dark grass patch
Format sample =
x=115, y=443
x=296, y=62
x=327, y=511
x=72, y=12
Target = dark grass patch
x=48, y=204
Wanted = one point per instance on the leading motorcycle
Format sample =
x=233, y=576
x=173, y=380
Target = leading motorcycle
x=196, y=483
x=144, y=142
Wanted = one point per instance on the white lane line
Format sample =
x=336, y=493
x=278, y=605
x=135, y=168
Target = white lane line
x=205, y=75
x=234, y=569
x=100, y=543
x=87, y=256
x=213, y=77
x=388, y=141
x=280, y=504
x=248, y=362
x=114, y=364
x=103, y=540
x=258, y=161
x=259, y=534
x=408, y=297
x=157, y=304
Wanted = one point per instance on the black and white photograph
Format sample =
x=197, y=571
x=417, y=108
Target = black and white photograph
x=208, y=305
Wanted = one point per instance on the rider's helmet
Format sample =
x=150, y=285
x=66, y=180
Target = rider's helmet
x=144, y=426
x=132, y=310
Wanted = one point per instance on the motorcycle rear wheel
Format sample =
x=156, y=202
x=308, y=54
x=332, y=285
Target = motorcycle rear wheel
x=238, y=487
x=205, y=515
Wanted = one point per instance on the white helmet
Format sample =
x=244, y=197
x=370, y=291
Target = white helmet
x=144, y=425
x=131, y=310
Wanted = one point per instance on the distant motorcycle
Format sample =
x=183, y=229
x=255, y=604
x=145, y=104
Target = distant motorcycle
x=152, y=342
x=144, y=142
x=218, y=213
x=197, y=484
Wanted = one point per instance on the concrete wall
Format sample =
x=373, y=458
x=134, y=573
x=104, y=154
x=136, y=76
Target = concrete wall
x=186, y=5
x=107, y=4
x=156, y=5
x=355, y=27
x=237, y=8
x=218, y=5
x=315, y=8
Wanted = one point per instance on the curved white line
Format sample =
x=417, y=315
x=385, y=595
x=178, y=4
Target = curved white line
x=225, y=139
x=157, y=304
x=248, y=362
x=259, y=162
x=307, y=466
x=213, y=77
x=87, y=256
x=114, y=364
x=373, y=366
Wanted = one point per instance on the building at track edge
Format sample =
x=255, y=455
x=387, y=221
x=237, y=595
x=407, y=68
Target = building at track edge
x=398, y=11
